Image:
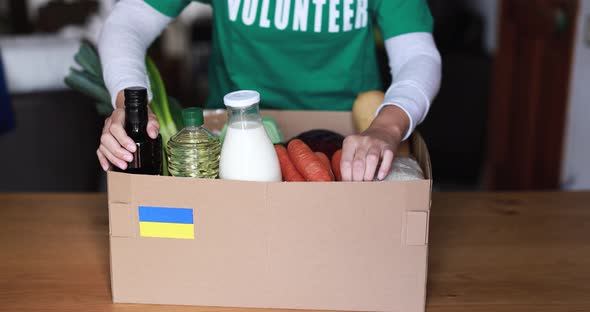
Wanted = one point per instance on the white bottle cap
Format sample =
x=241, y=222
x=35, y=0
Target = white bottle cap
x=242, y=98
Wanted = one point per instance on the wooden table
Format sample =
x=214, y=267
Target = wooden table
x=488, y=252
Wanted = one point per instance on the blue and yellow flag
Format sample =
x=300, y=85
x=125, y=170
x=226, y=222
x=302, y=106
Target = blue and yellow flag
x=166, y=222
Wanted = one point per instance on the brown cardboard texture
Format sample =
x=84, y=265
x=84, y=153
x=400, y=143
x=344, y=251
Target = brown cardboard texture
x=330, y=246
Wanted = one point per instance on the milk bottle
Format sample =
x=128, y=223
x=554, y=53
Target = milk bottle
x=247, y=153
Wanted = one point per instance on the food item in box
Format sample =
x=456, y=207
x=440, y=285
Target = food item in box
x=364, y=108
x=288, y=170
x=405, y=169
x=194, y=151
x=319, y=140
x=271, y=127
x=247, y=154
x=147, y=158
x=307, y=163
x=336, y=158
x=273, y=130
x=326, y=162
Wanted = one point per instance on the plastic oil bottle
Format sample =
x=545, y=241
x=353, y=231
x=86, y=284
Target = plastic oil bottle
x=194, y=151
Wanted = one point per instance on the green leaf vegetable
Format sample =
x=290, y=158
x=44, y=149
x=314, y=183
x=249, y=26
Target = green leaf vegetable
x=159, y=103
x=88, y=80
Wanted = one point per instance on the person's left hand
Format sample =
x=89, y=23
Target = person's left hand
x=362, y=154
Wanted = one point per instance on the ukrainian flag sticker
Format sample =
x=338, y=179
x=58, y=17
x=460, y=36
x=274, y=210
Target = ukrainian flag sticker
x=164, y=222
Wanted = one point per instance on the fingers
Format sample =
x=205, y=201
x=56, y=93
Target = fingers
x=362, y=155
x=358, y=165
x=371, y=163
x=153, y=127
x=386, y=164
x=114, y=160
x=348, y=152
x=104, y=163
x=114, y=148
x=115, y=127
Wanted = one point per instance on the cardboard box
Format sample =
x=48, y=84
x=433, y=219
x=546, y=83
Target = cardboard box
x=330, y=246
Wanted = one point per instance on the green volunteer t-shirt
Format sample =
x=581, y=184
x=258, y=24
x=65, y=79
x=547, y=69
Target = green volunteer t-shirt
x=301, y=54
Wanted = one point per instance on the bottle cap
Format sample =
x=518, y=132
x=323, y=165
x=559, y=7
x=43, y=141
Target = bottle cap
x=135, y=96
x=239, y=99
x=192, y=117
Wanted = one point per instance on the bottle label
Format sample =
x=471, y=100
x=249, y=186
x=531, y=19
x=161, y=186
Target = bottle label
x=136, y=162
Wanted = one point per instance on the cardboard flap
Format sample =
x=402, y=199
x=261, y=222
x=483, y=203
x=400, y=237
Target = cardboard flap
x=416, y=228
x=121, y=220
x=120, y=215
x=420, y=151
x=119, y=187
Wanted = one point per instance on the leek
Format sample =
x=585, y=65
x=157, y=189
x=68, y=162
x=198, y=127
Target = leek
x=88, y=80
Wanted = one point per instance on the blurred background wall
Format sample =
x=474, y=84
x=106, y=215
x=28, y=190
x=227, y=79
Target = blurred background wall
x=575, y=168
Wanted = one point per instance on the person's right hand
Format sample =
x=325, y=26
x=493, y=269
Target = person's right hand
x=116, y=147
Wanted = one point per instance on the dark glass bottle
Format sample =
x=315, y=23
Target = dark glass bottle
x=147, y=158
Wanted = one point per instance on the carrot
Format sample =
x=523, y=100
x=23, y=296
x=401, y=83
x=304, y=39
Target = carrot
x=307, y=163
x=336, y=158
x=326, y=162
x=290, y=173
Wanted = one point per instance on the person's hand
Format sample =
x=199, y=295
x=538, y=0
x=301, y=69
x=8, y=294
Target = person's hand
x=116, y=147
x=362, y=154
